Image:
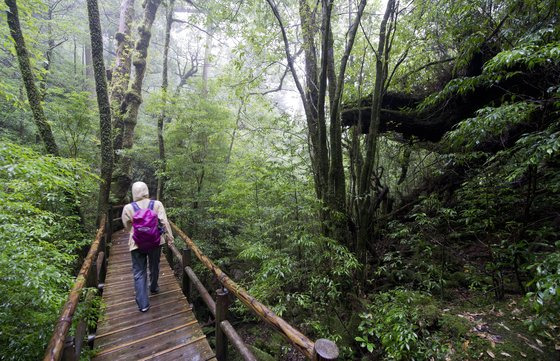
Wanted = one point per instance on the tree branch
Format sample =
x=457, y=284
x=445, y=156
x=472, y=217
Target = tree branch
x=287, y=49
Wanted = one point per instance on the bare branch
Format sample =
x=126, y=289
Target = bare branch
x=287, y=49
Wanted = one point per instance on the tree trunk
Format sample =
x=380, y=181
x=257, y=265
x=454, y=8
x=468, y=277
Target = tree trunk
x=207, y=54
x=104, y=107
x=33, y=94
x=132, y=101
x=310, y=96
x=120, y=77
x=48, y=53
x=164, y=86
x=237, y=120
x=366, y=204
x=327, y=167
x=89, y=64
x=336, y=180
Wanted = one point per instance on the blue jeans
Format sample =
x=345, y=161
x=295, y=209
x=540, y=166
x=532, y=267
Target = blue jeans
x=139, y=259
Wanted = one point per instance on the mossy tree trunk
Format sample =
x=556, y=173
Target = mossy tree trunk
x=120, y=76
x=120, y=79
x=104, y=106
x=33, y=94
x=164, y=86
x=132, y=101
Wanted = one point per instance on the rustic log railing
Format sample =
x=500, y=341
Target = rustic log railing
x=92, y=273
x=322, y=349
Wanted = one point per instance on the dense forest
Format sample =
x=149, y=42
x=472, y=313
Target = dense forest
x=384, y=174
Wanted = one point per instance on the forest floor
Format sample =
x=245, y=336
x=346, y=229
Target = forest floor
x=492, y=331
x=499, y=331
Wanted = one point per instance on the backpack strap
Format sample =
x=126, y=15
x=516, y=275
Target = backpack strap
x=151, y=205
x=135, y=206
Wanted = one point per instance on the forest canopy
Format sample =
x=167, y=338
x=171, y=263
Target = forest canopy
x=385, y=175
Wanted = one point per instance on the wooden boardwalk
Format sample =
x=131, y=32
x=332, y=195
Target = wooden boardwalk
x=168, y=331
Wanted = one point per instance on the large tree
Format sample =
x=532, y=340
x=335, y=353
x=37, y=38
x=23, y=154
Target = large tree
x=164, y=86
x=319, y=78
x=33, y=95
x=103, y=104
x=131, y=102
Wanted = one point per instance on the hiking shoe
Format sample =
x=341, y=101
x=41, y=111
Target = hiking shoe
x=145, y=309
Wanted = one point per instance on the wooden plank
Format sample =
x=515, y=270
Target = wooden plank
x=123, y=296
x=109, y=312
x=117, y=303
x=168, y=331
x=144, y=331
x=141, y=319
x=136, y=340
x=128, y=268
x=127, y=277
x=191, y=350
x=130, y=317
x=127, y=291
x=152, y=344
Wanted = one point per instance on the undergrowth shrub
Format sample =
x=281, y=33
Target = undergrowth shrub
x=39, y=236
x=545, y=299
x=403, y=325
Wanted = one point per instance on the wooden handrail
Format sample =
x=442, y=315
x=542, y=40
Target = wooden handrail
x=299, y=340
x=56, y=343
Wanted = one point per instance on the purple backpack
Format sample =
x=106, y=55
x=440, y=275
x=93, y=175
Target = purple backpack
x=146, y=232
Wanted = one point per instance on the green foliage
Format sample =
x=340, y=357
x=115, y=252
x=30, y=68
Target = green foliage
x=401, y=323
x=539, y=48
x=75, y=128
x=39, y=236
x=536, y=49
x=489, y=123
x=545, y=300
x=420, y=254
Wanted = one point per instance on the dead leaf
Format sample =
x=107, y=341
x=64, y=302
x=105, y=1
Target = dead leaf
x=466, y=345
x=539, y=342
x=504, y=326
x=535, y=347
x=505, y=354
x=490, y=353
x=523, y=354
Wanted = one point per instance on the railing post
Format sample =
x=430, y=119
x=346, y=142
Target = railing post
x=185, y=280
x=109, y=223
x=222, y=303
x=168, y=255
x=69, y=351
x=325, y=350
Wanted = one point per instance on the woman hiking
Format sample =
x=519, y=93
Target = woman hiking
x=146, y=221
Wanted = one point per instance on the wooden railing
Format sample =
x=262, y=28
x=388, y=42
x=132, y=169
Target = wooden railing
x=94, y=269
x=92, y=274
x=321, y=349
